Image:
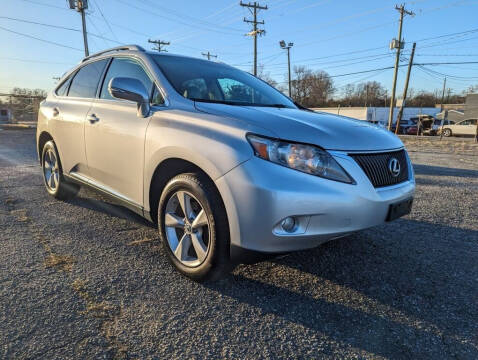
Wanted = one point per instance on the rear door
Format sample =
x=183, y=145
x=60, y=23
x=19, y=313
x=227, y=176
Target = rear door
x=465, y=127
x=114, y=136
x=74, y=98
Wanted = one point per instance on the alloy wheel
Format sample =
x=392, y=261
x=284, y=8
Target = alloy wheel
x=51, y=171
x=187, y=228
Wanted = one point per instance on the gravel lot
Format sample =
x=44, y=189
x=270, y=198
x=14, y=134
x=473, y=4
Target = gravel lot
x=88, y=279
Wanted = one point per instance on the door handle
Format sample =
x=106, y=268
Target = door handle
x=56, y=112
x=93, y=118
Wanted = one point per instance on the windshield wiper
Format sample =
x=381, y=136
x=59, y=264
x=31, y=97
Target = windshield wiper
x=238, y=103
x=280, y=106
x=218, y=101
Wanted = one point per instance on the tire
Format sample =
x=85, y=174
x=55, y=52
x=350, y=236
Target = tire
x=198, y=246
x=447, y=132
x=53, y=178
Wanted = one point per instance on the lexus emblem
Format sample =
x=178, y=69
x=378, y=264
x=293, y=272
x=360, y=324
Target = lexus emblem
x=394, y=167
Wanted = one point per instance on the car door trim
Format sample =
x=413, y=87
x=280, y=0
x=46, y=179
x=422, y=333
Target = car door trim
x=111, y=194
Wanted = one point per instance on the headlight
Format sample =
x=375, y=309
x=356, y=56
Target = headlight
x=306, y=158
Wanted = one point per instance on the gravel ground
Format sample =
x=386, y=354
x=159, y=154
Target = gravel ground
x=88, y=279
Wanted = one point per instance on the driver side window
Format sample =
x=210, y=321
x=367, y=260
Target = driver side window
x=125, y=67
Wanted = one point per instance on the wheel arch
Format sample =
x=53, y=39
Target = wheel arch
x=165, y=171
x=42, y=140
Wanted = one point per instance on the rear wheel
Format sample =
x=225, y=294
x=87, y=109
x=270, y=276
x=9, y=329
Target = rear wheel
x=55, y=183
x=446, y=132
x=193, y=227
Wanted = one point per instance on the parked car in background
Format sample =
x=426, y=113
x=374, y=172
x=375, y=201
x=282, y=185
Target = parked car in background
x=422, y=124
x=437, y=125
x=5, y=115
x=412, y=130
x=222, y=162
x=462, y=128
x=404, y=125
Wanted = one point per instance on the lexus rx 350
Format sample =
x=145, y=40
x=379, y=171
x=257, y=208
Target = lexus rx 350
x=226, y=165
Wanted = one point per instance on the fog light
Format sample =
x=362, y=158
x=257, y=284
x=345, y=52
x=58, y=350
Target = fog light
x=288, y=224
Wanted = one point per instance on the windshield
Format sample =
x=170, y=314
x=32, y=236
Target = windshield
x=207, y=81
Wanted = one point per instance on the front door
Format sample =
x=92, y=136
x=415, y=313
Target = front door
x=115, y=134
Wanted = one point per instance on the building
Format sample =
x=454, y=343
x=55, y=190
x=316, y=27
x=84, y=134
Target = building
x=379, y=114
x=471, y=108
x=453, y=115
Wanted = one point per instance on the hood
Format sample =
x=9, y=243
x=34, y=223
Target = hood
x=331, y=132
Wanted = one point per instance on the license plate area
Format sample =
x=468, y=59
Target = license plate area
x=399, y=209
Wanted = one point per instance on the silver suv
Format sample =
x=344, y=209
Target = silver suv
x=226, y=165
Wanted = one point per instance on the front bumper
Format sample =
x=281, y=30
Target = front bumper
x=259, y=194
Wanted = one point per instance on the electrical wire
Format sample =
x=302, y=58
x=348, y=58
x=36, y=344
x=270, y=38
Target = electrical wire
x=104, y=18
x=40, y=39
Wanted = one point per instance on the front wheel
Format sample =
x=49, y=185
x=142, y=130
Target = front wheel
x=446, y=132
x=193, y=227
x=55, y=183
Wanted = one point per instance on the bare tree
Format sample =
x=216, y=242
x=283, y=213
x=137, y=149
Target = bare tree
x=266, y=76
x=311, y=88
x=25, y=103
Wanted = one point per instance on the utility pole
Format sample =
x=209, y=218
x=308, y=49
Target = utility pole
x=81, y=6
x=209, y=55
x=397, y=44
x=405, y=89
x=443, y=94
x=287, y=47
x=158, y=44
x=255, y=31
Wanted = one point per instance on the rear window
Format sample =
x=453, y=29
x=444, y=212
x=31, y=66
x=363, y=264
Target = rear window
x=62, y=90
x=86, y=80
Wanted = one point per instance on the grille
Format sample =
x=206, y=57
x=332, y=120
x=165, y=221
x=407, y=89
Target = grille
x=375, y=167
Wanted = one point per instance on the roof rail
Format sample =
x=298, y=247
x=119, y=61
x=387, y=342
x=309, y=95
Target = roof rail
x=118, y=48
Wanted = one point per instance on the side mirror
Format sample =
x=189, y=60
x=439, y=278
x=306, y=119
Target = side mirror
x=132, y=90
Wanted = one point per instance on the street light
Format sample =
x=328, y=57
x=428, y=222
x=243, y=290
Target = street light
x=287, y=47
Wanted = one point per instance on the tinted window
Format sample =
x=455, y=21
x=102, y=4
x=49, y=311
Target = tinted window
x=86, y=80
x=472, y=122
x=63, y=89
x=125, y=67
x=3, y=112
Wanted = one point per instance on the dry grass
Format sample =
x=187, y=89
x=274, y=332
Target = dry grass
x=463, y=146
x=62, y=262
x=140, y=241
x=101, y=310
x=93, y=307
x=20, y=214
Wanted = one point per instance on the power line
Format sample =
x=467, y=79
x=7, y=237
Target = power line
x=47, y=5
x=179, y=15
x=58, y=27
x=104, y=18
x=34, y=61
x=39, y=39
x=156, y=14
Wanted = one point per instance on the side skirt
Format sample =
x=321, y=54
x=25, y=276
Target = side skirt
x=117, y=199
